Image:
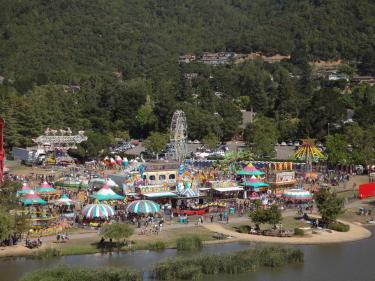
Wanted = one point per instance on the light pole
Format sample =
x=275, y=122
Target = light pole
x=328, y=128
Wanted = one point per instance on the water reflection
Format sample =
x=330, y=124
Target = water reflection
x=343, y=262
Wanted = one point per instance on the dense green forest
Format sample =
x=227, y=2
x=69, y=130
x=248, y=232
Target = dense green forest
x=123, y=55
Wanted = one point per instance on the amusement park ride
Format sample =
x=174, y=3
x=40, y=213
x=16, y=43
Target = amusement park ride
x=178, y=136
x=310, y=154
x=59, y=139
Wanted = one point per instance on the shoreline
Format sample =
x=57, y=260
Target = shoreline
x=356, y=232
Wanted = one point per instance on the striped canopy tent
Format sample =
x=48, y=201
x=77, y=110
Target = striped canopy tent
x=32, y=198
x=45, y=187
x=143, y=207
x=64, y=200
x=297, y=194
x=249, y=170
x=106, y=193
x=93, y=211
x=255, y=183
x=25, y=189
x=188, y=192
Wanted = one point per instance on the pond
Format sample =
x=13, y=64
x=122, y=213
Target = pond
x=344, y=262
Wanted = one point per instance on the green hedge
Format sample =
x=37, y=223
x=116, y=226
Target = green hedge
x=338, y=226
x=299, y=232
x=244, y=229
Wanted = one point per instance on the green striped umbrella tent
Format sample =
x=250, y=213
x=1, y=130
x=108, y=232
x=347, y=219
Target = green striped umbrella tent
x=106, y=193
x=92, y=211
x=64, y=200
x=143, y=207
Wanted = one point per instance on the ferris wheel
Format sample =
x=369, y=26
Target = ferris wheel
x=178, y=135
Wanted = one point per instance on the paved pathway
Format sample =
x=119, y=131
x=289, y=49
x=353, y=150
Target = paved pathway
x=356, y=232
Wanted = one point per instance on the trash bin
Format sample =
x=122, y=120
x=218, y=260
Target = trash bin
x=231, y=211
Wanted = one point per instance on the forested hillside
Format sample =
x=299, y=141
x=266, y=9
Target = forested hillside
x=122, y=56
x=67, y=39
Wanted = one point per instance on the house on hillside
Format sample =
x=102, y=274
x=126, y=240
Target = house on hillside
x=338, y=77
x=187, y=58
x=364, y=79
x=216, y=58
x=275, y=58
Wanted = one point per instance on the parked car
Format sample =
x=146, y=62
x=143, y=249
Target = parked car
x=196, y=141
x=296, y=143
x=283, y=143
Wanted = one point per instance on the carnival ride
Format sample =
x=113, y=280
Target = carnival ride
x=59, y=140
x=178, y=136
x=309, y=153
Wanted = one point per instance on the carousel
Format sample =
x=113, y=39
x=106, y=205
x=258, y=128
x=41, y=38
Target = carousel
x=295, y=195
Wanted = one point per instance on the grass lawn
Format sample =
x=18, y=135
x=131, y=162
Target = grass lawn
x=139, y=242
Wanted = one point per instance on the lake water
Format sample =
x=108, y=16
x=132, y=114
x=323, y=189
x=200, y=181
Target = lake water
x=354, y=261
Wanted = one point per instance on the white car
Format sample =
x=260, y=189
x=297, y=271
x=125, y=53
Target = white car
x=196, y=141
x=283, y=143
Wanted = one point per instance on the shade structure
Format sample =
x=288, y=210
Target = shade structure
x=106, y=193
x=32, y=198
x=44, y=188
x=25, y=189
x=143, y=207
x=188, y=192
x=249, y=170
x=93, y=211
x=297, y=194
x=64, y=200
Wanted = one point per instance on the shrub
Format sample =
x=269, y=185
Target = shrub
x=338, y=226
x=189, y=243
x=192, y=268
x=48, y=253
x=69, y=273
x=299, y=232
x=158, y=245
x=244, y=229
